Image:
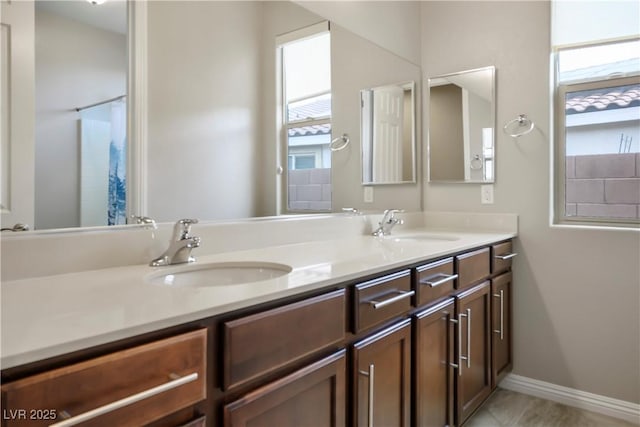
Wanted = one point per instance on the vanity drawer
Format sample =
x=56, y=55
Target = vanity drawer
x=261, y=343
x=501, y=256
x=472, y=267
x=128, y=388
x=382, y=299
x=434, y=281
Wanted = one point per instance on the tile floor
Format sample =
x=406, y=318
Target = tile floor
x=510, y=409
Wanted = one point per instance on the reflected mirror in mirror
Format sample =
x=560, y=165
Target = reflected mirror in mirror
x=388, y=133
x=461, y=126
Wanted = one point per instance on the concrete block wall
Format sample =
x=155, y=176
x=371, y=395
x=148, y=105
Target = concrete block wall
x=603, y=185
x=310, y=189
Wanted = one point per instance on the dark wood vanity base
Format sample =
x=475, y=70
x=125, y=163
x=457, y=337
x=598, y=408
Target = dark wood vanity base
x=369, y=351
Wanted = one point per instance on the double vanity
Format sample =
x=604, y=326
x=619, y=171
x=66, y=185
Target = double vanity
x=412, y=328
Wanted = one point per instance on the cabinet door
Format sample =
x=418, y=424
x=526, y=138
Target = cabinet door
x=501, y=327
x=313, y=396
x=434, y=339
x=474, y=345
x=382, y=375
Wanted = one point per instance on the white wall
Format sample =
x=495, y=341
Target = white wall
x=576, y=291
x=204, y=109
x=393, y=25
x=71, y=58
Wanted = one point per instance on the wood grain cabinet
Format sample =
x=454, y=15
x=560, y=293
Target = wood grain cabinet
x=433, y=360
x=381, y=376
x=473, y=349
x=131, y=387
x=312, y=396
x=501, y=348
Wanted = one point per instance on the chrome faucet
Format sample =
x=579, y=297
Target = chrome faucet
x=388, y=221
x=179, y=250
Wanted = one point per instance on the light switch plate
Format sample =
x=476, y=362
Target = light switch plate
x=486, y=194
x=368, y=194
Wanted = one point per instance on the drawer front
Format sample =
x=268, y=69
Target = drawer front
x=472, y=267
x=501, y=256
x=127, y=388
x=434, y=281
x=382, y=299
x=261, y=343
x=312, y=396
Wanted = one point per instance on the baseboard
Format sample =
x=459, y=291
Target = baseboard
x=621, y=409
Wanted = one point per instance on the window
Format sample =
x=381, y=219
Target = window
x=306, y=106
x=597, y=114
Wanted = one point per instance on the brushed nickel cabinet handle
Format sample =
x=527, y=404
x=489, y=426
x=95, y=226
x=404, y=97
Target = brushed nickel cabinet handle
x=400, y=296
x=456, y=365
x=506, y=256
x=460, y=356
x=468, y=337
x=501, y=331
x=134, y=398
x=433, y=281
x=370, y=374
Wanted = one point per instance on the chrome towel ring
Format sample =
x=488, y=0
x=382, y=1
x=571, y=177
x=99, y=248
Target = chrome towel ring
x=339, y=143
x=523, y=122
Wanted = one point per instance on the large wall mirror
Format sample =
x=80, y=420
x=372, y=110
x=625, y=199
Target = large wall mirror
x=462, y=126
x=211, y=101
x=388, y=134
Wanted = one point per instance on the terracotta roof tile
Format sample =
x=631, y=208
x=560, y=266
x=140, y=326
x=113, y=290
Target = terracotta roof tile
x=605, y=99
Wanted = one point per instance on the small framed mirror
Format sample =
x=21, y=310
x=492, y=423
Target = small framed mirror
x=388, y=134
x=462, y=127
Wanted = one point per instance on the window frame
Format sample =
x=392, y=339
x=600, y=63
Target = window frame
x=283, y=120
x=560, y=90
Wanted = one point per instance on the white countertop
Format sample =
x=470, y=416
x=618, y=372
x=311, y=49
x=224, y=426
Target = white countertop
x=48, y=316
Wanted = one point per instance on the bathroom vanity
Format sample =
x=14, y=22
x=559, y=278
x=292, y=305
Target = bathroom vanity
x=399, y=330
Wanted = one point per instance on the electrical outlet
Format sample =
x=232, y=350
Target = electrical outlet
x=486, y=194
x=368, y=194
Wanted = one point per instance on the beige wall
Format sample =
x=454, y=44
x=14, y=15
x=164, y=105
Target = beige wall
x=204, y=101
x=445, y=133
x=577, y=291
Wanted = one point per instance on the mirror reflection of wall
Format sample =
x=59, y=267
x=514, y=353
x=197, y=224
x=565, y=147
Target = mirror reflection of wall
x=81, y=60
x=212, y=104
x=461, y=126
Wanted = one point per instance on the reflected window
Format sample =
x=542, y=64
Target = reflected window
x=306, y=74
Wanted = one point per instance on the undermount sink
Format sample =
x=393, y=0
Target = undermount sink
x=422, y=237
x=218, y=274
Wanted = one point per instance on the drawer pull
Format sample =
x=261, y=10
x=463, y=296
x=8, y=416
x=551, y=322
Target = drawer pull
x=506, y=256
x=400, y=296
x=438, y=279
x=110, y=407
x=501, y=331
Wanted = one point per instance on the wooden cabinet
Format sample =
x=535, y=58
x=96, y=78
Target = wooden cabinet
x=473, y=350
x=261, y=343
x=366, y=353
x=501, y=349
x=433, y=358
x=127, y=388
x=312, y=396
x=381, y=375
x=382, y=299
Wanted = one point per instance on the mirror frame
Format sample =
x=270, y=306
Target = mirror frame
x=413, y=86
x=137, y=109
x=494, y=107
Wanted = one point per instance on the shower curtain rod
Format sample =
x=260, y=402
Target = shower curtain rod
x=117, y=98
